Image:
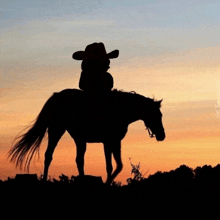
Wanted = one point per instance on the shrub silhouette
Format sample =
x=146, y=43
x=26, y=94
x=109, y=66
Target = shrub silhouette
x=135, y=170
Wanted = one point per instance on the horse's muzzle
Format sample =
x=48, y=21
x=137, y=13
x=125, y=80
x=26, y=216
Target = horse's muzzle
x=160, y=137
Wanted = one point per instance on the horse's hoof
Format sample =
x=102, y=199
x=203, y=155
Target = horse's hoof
x=108, y=183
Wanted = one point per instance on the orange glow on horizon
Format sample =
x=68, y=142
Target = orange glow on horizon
x=154, y=156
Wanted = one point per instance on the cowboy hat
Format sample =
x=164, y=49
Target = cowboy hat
x=95, y=50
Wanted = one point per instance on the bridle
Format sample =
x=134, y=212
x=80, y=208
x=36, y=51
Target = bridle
x=151, y=134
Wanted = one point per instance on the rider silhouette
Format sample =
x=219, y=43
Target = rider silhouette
x=95, y=63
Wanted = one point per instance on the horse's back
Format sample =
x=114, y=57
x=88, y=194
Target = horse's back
x=70, y=93
x=95, y=103
x=93, y=116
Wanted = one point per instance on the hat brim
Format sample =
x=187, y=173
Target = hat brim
x=82, y=55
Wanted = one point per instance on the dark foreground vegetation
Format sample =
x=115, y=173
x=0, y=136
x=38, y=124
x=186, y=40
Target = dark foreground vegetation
x=183, y=193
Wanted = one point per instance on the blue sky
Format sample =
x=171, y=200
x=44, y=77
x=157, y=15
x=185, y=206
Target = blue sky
x=44, y=32
x=39, y=36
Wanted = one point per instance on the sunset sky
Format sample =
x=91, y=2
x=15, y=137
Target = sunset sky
x=168, y=49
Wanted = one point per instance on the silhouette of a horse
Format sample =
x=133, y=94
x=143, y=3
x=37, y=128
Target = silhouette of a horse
x=88, y=118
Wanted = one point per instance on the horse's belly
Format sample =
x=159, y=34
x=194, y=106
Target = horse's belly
x=97, y=136
x=96, y=131
x=104, y=135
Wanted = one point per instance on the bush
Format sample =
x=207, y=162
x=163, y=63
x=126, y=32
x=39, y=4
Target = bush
x=135, y=170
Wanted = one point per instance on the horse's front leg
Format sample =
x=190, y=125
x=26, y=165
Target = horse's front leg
x=115, y=149
x=117, y=156
x=80, y=152
x=108, y=159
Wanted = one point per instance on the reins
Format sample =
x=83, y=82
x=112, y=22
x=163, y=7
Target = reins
x=150, y=133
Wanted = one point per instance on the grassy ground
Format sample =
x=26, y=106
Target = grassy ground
x=183, y=193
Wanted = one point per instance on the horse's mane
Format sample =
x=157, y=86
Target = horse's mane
x=121, y=90
x=120, y=94
x=133, y=93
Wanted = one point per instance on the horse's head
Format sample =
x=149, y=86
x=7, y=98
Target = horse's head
x=153, y=122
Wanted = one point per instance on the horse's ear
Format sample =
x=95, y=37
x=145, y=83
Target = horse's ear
x=159, y=103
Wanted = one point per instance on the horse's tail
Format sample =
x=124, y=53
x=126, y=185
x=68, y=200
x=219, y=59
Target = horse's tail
x=28, y=144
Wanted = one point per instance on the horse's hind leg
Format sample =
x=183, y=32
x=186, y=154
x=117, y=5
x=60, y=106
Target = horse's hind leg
x=54, y=136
